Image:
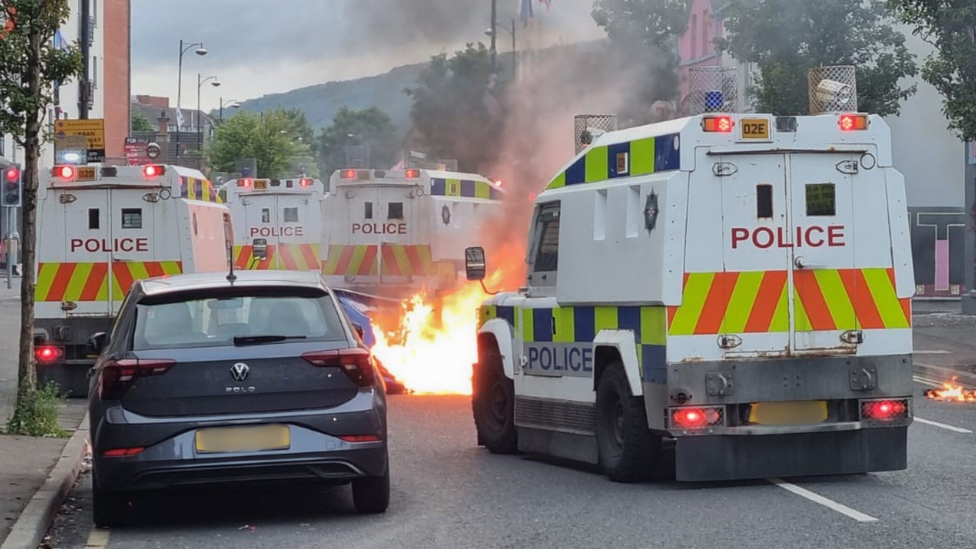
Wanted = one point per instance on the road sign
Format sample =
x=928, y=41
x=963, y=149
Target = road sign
x=93, y=130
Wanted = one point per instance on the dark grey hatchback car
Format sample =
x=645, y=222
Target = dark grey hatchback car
x=208, y=380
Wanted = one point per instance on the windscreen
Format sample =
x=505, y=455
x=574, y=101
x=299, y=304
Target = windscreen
x=236, y=320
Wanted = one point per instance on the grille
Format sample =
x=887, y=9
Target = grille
x=832, y=89
x=554, y=415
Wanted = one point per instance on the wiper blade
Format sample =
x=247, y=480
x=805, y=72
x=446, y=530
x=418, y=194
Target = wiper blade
x=258, y=340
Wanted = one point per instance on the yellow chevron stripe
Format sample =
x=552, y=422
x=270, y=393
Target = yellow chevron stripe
x=838, y=302
x=693, y=302
x=427, y=260
x=400, y=253
x=781, y=316
x=45, y=280
x=79, y=277
x=358, y=254
x=885, y=298
x=740, y=304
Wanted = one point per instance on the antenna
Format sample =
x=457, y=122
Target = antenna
x=231, y=277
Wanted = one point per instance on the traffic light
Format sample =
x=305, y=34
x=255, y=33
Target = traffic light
x=12, y=187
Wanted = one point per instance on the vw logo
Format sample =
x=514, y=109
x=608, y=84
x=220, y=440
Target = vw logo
x=239, y=371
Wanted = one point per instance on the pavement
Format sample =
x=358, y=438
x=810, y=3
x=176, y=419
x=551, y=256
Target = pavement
x=447, y=492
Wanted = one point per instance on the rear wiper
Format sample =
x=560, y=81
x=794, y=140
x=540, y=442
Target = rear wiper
x=258, y=340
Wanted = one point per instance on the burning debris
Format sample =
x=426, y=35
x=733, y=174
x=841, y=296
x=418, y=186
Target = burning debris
x=951, y=392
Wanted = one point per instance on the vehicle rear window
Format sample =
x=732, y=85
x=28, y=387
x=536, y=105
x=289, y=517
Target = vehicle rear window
x=216, y=321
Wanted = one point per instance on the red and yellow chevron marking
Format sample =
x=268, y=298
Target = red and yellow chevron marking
x=350, y=260
x=406, y=260
x=756, y=302
x=58, y=282
x=290, y=257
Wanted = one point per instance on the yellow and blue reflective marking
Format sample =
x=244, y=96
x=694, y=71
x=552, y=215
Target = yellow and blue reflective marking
x=565, y=326
x=464, y=188
x=644, y=156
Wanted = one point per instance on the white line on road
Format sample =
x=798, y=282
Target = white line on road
x=926, y=381
x=97, y=539
x=828, y=503
x=933, y=352
x=943, y=425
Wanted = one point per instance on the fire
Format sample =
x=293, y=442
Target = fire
x=952, y=393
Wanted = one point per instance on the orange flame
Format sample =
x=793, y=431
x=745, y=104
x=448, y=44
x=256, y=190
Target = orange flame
x=952, y=393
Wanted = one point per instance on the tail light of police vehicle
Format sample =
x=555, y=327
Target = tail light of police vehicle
x=118, y=375
x=717, y=124
x=348, y=174
x=853, y=122
x=153, y=170
x=48, y=354
x=885, y=411
x=246, y=182
x=305, y=182
x=356, y=363
x=68, y=173
x=412, y=173
x=697, y=417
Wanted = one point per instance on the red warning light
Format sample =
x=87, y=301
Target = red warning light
x=153, y=170
x=852, y=122
x=305, y=182
x=717, y=124
x=348, y=174
x=412, y=173
x=246, y=182
x=66, y=172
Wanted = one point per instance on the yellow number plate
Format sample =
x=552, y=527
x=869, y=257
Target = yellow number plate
x=789, y=413
x=754, y=128
x=243, y=439
x=86, y=173
x=260, y=184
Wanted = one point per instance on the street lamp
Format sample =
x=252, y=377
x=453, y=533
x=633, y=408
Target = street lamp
x=184, y=47
x=232, y=103
x=196, y=116
x=491, y=32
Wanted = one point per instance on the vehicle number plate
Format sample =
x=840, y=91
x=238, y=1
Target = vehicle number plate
x=789, y=413
x=243, y=439
x=754, y=128
x=260, y=184
x=86, y=173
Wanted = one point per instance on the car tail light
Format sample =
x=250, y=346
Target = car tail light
x=48, y=354
x=119, y=374
x=885, y=411
x=122, y=452
x=696, y=417
x=357, y=363
x=360, y=438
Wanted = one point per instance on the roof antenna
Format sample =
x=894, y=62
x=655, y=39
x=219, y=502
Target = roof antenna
x=231, y=277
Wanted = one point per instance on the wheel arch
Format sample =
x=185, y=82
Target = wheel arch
x=613, y=345
x=498, y=332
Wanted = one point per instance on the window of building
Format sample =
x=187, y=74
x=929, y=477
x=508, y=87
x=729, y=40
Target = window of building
x=291, y=215
x=131, y=218
x=93, y=218
x=395, y=210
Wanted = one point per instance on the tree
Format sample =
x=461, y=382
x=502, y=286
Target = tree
x=139, y=123
x=272, y=138
x=950, y=26
x=453, y=111
x=29, y=65
x=643, y=33
x=786, y=38
x=371, y=127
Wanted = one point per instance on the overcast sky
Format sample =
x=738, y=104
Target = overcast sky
x=255, y=49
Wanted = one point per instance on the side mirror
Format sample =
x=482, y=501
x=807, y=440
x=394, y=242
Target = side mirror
x=97, y=343
x=474, y=263
x=260, y=249
x=359, y=330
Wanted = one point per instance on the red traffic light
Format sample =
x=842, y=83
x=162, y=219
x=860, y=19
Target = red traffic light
x=12, y=174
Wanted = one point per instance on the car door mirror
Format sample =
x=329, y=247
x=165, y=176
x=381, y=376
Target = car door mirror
x=474, y=263
x=97, y=343
x=359, y=330
x=260, y=248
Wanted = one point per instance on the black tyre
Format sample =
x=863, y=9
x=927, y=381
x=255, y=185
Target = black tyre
x=109, y=508
x=494, y=405
x=627, y=449
x=371, y=495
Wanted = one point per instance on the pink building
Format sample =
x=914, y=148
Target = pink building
x=696, y=48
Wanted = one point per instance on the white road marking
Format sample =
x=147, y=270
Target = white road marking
x=927, y=381
x=943, y=426
x=97, y=539
x=934, y=352
x=828, y=503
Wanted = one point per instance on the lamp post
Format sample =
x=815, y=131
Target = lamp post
x=232, y=103
x=184, y=47
x=196, y=116
x=491, y=32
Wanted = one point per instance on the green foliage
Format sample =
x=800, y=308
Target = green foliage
x=785, y=38
x=949, y=26
x=651, y=23
x=273, y=138
x=30, y=64
x=37, y=413
x=371, y=127
x=139, y=123
x=449, y=108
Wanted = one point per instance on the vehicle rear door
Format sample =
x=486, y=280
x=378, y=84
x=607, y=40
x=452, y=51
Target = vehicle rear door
x=400, y=256
x=261, y=230
x=826, y=288
x=132, y=242
x=85, y=278
x=297, y=219
x=353, y=216
x=745, y=302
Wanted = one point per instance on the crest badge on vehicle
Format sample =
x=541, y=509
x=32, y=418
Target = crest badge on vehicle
x=650, y=212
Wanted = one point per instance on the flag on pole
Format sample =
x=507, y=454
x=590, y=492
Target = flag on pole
x=179, y=118
x=548, y=3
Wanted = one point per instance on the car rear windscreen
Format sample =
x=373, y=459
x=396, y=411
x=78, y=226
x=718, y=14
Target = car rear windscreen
x=207, y=321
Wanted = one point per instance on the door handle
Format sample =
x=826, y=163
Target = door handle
x=801, y=263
